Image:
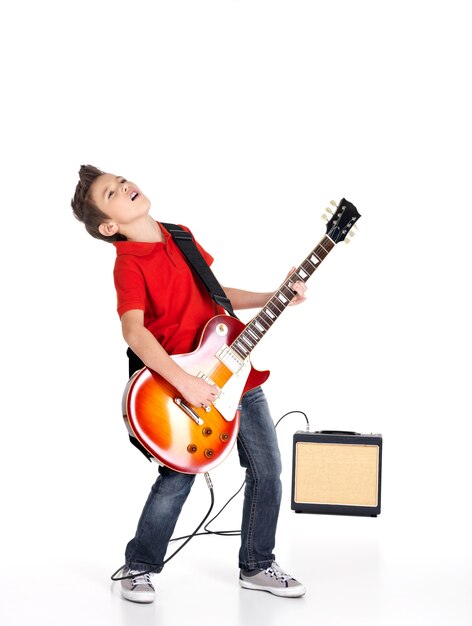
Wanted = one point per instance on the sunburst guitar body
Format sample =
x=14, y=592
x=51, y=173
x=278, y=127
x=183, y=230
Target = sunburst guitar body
x=186, y=438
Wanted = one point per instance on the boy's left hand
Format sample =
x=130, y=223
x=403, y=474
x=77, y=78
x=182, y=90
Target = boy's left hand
x=299, y=288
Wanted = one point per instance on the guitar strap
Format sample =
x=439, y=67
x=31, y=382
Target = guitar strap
x=185, y=242
x=192, y=254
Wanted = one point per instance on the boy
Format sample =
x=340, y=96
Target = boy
x=163, y=308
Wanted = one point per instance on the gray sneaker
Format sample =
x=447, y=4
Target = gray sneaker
x=138, y=588
x=272, y=579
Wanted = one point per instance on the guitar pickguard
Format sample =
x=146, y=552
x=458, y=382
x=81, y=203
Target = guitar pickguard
x=230, y=395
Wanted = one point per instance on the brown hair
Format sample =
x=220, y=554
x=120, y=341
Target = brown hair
x=85, y=210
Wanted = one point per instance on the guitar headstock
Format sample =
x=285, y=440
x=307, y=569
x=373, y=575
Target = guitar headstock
x=342, y=221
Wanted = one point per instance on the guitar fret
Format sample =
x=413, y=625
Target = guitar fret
x=246, y=340
x=259, y=326
x=263, y=322
x=302, y=275
x=254, y=332
x=287, y=291
x=326, y=245
x=240, y=349
x=273, y=303
x=308, y=266
x=265, y=319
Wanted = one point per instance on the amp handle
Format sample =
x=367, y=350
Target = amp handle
x=337, y=432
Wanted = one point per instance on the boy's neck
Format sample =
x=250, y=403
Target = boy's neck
x=144, y=231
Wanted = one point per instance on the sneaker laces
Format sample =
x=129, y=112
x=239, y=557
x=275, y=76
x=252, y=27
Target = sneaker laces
x=140, y=578
x=277, y=572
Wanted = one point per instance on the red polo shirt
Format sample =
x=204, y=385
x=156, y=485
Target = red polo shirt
x=156, y=278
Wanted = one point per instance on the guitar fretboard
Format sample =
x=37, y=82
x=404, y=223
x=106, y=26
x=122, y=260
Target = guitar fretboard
x=260, y=324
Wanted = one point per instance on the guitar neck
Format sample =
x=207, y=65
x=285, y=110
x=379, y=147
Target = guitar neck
x=259, y=325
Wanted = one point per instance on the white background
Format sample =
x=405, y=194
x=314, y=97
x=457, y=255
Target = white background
x=242, y=120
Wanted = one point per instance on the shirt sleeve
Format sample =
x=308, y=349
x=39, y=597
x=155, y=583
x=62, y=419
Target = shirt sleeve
x=130, y=287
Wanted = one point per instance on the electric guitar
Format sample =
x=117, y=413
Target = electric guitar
x=192, y=439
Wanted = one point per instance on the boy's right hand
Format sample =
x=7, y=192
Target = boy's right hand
x=197, y=392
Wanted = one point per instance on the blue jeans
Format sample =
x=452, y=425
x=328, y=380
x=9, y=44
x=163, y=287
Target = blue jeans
x=259, y=454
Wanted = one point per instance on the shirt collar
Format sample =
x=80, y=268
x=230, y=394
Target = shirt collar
x=140, y=248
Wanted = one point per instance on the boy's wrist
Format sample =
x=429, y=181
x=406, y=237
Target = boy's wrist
x=178, y=378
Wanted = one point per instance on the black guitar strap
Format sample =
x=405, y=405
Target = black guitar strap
x=185, y=242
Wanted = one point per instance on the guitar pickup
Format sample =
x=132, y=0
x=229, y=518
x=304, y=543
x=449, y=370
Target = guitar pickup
x=230, y=359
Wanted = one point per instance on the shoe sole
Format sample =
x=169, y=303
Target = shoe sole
x=288, y=592
x=141, y=598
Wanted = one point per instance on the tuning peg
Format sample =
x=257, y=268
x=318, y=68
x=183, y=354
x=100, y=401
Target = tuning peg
x=333, y=202
x=329, y=210
x=349, y=234
x=324, y=217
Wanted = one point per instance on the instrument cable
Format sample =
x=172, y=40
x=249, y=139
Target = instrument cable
x=225, y=533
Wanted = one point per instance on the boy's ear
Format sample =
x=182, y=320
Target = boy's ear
x=108, y=229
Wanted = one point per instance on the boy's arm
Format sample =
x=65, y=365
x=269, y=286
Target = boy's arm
x=241, y=299
x=143, y=343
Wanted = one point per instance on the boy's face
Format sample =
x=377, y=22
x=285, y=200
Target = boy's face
x=120, y=199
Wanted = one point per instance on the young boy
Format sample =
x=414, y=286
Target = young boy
x=163, y=308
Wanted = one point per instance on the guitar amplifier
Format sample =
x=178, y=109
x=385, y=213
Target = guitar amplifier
x=337, y=472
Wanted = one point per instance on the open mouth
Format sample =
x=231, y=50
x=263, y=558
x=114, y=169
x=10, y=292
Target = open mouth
x=133, y=196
